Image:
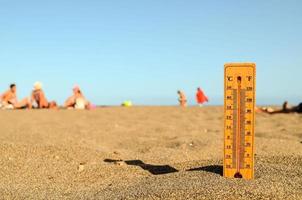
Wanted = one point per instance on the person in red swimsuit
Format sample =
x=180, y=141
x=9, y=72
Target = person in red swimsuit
x=201, y=98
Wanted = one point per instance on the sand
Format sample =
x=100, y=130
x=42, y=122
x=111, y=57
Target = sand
x=141, y=153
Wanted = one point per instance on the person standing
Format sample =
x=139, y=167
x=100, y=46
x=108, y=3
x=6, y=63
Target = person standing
x=182, y=99
x=201, y=98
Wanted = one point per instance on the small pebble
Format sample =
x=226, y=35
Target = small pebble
x=119, y=163
x=81, y=167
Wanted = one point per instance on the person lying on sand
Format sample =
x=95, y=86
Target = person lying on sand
x=9, y=99
x=38, y=97
x=182, y=99
x=285, y=109
x=77, y=100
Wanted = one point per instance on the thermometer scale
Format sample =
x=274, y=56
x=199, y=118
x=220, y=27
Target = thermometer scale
x=239, y=120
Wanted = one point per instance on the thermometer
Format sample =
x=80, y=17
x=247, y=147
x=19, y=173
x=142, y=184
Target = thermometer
x=239, y=120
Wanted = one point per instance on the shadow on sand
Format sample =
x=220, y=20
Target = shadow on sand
x=166, y=169
x=112, y=161
x=215, y=169
x=153, y=169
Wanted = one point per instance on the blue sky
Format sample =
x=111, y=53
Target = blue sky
x=145, y=50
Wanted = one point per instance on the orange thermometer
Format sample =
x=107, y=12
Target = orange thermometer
x=239, y=120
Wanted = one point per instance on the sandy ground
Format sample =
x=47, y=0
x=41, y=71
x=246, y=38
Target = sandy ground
x=141, y=153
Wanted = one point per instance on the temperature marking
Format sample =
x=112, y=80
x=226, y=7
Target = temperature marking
x=239, y=122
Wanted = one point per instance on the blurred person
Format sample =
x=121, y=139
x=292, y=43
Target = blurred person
x=201, y=98
x=182, y=99
x=9, y=99
x=38, y=97
x=77, y=100
x=285, y=109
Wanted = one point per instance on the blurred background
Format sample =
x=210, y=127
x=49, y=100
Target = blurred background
x=145, y=51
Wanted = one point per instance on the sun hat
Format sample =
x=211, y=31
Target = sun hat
x=38, y=85
x=76, y=87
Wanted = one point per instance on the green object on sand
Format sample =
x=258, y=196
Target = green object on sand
x=127, y=104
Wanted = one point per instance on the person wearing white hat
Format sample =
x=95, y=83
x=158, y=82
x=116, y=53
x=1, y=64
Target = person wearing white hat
x=77, y=100
x=38, y=97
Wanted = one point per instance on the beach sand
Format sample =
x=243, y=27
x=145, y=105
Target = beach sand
x=142, y=153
